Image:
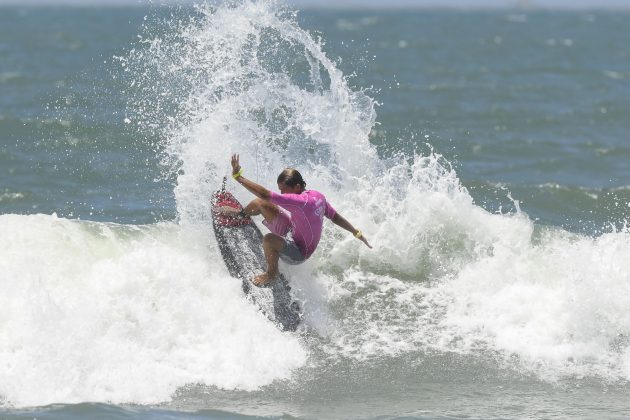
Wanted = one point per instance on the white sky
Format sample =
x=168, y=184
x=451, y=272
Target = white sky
x=367, y=3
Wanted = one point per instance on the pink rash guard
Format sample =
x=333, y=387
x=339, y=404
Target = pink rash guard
x=307, y=217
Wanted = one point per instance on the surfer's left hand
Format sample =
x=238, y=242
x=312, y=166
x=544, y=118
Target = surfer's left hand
x=359, y=235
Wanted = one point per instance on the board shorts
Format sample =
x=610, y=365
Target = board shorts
x=281, y=226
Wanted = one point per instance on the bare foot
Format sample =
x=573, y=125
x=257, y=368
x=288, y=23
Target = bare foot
x=263, y=279
x=228, y=211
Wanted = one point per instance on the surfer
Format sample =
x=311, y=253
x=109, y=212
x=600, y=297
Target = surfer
x=294, y=217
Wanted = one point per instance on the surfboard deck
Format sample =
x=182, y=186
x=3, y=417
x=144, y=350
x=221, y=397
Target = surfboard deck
x=240, y=244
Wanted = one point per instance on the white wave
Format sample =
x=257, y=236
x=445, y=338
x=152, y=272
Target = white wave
x=105, y=312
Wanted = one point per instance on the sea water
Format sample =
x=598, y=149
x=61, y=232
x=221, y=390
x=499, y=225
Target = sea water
x=484, y=155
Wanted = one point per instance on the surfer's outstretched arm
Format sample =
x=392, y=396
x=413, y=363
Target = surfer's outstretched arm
x=340, y=221
x=254, y=188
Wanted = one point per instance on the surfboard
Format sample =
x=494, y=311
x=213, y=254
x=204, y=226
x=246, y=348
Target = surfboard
x=240, y=244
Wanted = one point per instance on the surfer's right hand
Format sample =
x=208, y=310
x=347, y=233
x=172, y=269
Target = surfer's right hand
x=236, y=166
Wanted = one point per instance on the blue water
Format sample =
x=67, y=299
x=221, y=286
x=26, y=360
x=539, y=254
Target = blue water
x=483, y=153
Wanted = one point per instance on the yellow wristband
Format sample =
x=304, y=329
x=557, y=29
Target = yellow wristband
x=238, y=174
x=358, y=235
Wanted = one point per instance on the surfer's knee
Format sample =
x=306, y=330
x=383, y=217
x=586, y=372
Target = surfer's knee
x=257, y=202
x=260, y=204
x=273, y=241
x=266, y=208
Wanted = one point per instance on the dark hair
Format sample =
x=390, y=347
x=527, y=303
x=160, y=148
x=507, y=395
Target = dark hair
x=291, y=177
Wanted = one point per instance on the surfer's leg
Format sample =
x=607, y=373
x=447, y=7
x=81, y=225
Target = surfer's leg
x=272, y=245
x=264, y=207
x=279, y=223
